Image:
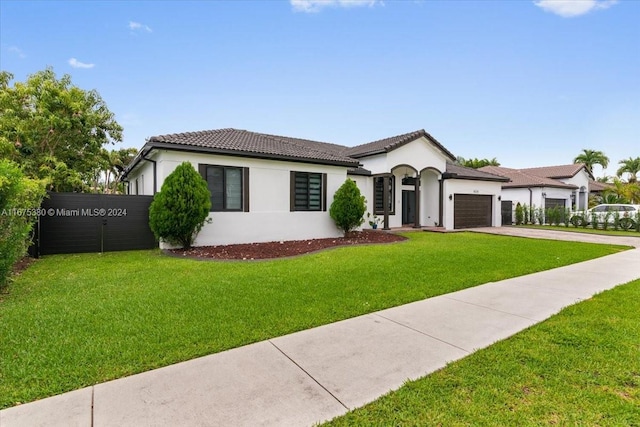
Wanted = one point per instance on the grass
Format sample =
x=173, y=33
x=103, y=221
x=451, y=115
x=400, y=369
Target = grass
x=580, y=368
x=609, y=232
x=71, y=321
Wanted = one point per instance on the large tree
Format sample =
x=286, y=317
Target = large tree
x=590, y=158
x=54, y=130
x=630, y=166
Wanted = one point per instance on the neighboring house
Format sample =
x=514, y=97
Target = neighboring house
x=269, y=188
x=566, y=186
x=597, y=188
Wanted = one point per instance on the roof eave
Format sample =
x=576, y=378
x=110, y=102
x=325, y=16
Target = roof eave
x=250, y=154
x=449, y=175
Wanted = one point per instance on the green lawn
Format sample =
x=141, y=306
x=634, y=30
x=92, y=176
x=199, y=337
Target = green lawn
x=74, y=320
x=579, y=368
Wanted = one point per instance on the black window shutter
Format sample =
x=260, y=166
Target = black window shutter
x=245, y=189
x=292, y=191
x=324, y=192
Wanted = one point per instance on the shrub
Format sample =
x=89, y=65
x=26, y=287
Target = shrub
x=616, y=220
x=519, y=214
x=566, y=214
x=539, y=216
x=179, y=211
x=20, y=198
x=579, y=219
x=348, y=207
x=605, y=222
x=594, y=220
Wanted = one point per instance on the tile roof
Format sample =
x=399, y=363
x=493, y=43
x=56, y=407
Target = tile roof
x=596, y=186
x=462, y=172
x=519, y=178
x=388, y=144
x=556, y=172
x=236, y=141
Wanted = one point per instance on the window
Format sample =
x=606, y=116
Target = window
x=229, y=187
x=378, y=194
x=308, y=191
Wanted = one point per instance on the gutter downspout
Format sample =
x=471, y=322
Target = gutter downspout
x=531, y=205
x=155, y=187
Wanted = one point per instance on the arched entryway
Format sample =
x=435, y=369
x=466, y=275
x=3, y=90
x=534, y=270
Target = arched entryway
x=431, y=197
x=408, y=186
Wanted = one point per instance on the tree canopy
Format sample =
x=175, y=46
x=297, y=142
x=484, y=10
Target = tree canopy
x=477, y=163
x=630, y=166
x=590, y=158
x=54, y=130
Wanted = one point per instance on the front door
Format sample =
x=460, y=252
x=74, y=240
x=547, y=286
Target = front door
x=408, y=206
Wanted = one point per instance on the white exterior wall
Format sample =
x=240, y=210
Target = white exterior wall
x=269, y=217
x=365, y=185
x=580, y=180
x=430, y=199
x=419, y=155
x=144, y=175
x=461, y=186
x=535, y=198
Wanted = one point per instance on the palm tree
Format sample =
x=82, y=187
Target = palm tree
x=589, y=158
x=476, y=163
x=630, y=166
x=622, y=192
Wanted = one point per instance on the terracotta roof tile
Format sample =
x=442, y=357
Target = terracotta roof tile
x=264, y=145
x=522, y=178
x=462, y=172
x=388, y=144
x=556, y=172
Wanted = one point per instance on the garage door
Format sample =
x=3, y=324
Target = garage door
x=472, y=210
x=553, y=203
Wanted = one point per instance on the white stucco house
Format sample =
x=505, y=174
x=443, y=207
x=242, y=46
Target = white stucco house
x=545, y=187
x=275, y=188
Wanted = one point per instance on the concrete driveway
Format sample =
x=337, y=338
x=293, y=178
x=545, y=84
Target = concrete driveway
x=572, y=236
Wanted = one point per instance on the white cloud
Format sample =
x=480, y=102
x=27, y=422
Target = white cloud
x=17, y=51
x=571, y=8
x=77, y=64
x=137, y=26
x=311, y=6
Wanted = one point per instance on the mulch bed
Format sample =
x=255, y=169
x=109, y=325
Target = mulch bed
x=268, y=250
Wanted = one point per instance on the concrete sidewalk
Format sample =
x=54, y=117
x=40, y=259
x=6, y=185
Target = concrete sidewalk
x=314, y=375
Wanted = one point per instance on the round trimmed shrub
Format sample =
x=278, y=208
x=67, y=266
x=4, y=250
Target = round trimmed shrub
x=178, y=212
x=348, y=207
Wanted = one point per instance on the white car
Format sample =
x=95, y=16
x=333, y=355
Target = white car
x=626, y=214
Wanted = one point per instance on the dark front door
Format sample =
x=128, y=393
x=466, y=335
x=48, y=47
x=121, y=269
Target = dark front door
x=408, y=206
x=507, y=212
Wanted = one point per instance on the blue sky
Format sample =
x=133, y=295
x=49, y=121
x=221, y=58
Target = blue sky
x=531, y=83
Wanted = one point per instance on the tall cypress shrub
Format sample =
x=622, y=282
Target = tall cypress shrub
x=178, y=212
x=348, y=207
